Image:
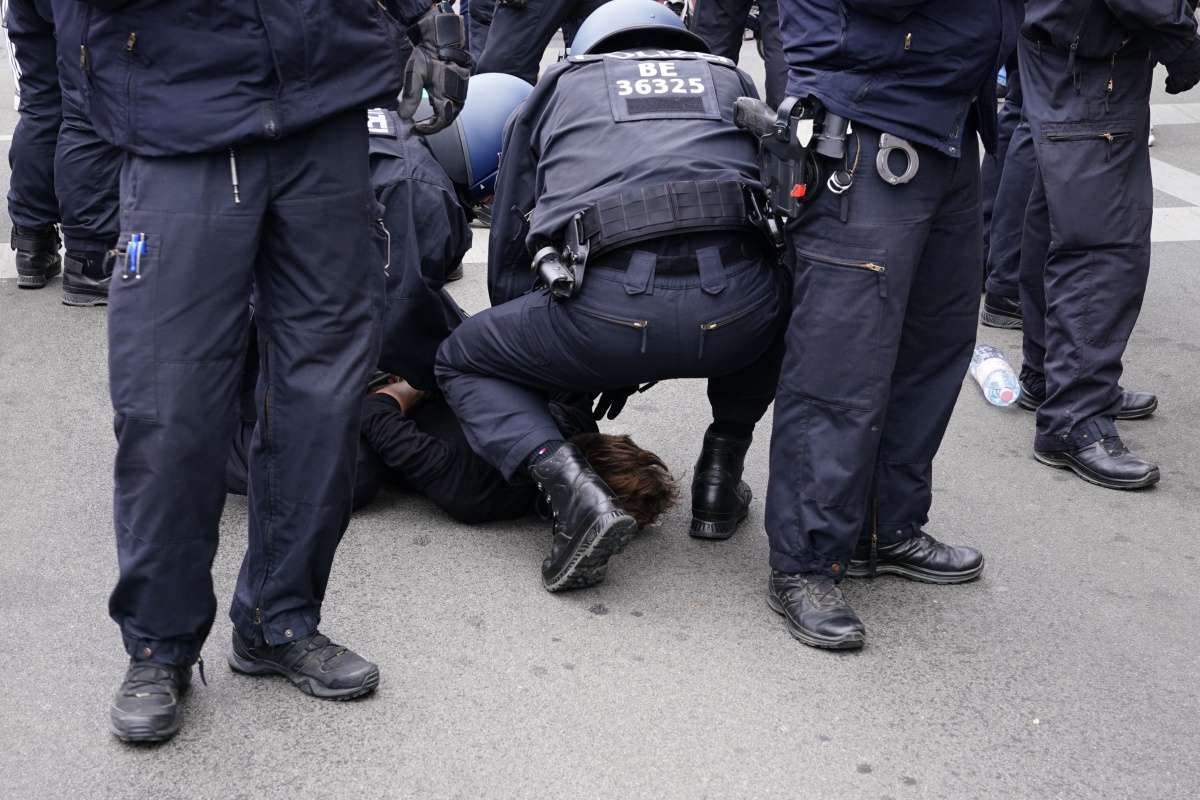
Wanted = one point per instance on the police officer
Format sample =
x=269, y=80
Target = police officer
x=1014, y=182
x=87, y=175
x=722, y=23
x=520, y=31
x=32, y=204
x=1086, y=70
x=247, y=168
x=625, y=177
x=885, y=298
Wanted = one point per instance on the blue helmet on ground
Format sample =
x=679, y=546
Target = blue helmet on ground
x=628, y=24
x=469, y=150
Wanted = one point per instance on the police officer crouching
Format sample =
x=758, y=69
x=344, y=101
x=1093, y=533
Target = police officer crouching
x=625, y=176
x=888, y=270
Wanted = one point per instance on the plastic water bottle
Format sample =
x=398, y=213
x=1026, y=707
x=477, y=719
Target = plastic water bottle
x=995, y=376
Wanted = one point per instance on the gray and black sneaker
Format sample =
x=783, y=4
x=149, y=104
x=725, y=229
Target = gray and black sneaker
x=147, y=707
x=37, y=258
x=314, y=664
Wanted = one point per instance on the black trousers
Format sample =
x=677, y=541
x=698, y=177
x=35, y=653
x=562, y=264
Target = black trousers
x=882, y=328
x=625, y=327
x=1085, y=254
x=517, y=37
x=1011, y=173
x=32, y=202
x=303, y=238
x=722, y=23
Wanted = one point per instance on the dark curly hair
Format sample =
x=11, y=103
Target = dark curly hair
x=640, y=480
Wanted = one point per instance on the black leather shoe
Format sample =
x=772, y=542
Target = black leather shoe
x=315, y=665
x=86, y=279
x=816, y=610
x=455, y=274
x=919, y=558
x=1134, y=405
x=1106, y=463
x=1001, y=312
x=720, y=498
x=589, y=525
x=37, y=256
x=147, y=707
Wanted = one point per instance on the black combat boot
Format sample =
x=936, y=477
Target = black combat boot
x=1134, y=405
x=919, y=557
x=37, y=255
x=314, y=665
x=589, y=525
x=1106, y=463
x=720, y=498
x=86, y=278
x=1001, y=312
x=816, y=610
x=147, y=707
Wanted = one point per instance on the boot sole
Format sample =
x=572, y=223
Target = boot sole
x=1002, y=321
x=84, y=300
x=143, y=732
x=302, y=682
x=716, y=530
x=33, y=281
x=588, y=564
x=1140, y=413
x=862, y=569
x=1060, y=462
x=849, y=642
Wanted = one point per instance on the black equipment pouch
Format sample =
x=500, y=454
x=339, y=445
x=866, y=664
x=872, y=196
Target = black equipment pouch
x=788, y=169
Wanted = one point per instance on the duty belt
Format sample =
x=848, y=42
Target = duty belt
x=647, y=213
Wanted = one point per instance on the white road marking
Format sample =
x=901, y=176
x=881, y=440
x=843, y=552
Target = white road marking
x=1175, y=113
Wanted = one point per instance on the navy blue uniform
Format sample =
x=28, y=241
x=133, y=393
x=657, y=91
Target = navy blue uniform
x=87, y=169
x=701, y=304
x=722, y=24
x=429, y=234
x=1086, y=70
x=245, y=129
x=32, y=203
x=517, y=37
x=479, y=22
x=887, y=277
x=1014, y=183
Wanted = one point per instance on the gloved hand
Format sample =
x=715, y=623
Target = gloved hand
x=612, y=402
x=440, y=65
x=1184, y=72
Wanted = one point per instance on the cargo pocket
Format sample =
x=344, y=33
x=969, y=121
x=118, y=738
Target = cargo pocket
x=836, y=327
x=1088, y=174
x=132, y=330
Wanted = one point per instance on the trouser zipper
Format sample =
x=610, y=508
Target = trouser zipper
x=1110, y=137
x=849, y=263
x=874, y=536
x=707, y=327
x=642, y=325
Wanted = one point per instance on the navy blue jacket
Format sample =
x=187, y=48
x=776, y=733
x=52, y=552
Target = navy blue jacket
x=429, y=235
x=172, y=77
x=582, y=137
x=913, y=68
x=1103, y=27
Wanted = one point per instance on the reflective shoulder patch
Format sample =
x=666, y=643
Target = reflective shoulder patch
x=380, y=123
x=667, y=88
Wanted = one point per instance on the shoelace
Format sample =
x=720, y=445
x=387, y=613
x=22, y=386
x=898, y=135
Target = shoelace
x=826, y=593
x=318, y=647
x=1114, y=446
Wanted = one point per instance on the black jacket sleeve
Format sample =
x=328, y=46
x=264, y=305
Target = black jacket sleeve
x=417, y=457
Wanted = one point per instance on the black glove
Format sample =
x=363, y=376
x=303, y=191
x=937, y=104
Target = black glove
x=440, y=65
x=612, y=402
x=1184, y=72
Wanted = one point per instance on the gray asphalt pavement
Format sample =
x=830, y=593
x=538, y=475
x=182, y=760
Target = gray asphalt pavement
x=1068, y=671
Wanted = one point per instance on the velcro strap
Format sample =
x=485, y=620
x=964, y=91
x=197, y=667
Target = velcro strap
x=646, y=213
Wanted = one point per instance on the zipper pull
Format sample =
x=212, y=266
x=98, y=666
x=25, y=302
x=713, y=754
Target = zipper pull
x=83, y=57
x=644, y=327
x=233, y=177
x=200, y=664
x=131, y=42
